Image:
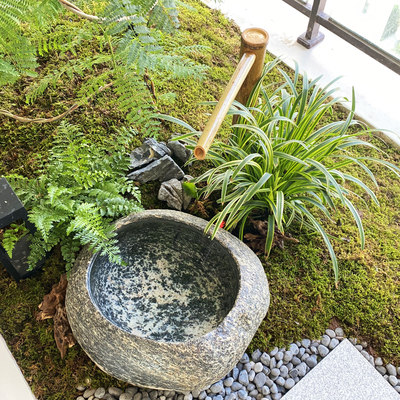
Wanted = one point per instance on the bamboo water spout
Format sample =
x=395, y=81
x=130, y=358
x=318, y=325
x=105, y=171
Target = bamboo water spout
x=246, y=75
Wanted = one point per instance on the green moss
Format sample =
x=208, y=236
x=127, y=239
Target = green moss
x=304, y=299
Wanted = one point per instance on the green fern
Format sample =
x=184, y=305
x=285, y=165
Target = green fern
x=11, y=235
x=80, y=192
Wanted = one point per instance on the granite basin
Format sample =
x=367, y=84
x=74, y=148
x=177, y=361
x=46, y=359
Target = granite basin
x=181, y=310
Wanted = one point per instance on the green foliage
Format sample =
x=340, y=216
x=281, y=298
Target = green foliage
x=281, y=165
x=11, y=235
x=80, y=191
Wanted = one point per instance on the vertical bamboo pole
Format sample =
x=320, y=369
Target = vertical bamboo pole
x=246, y=75
x=254, y=41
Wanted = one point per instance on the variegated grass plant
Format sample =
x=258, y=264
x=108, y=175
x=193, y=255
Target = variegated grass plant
x=281, y=163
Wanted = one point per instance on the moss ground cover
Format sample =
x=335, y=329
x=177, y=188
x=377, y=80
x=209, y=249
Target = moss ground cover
x=304, y=300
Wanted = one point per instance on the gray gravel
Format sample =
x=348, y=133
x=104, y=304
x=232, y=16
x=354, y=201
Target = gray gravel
x=259, y=376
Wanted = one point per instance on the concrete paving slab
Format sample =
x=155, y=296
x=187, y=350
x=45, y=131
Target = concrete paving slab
x=343, y=375
x=13, y=385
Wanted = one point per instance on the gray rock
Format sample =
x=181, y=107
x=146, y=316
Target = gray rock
x=242, y=394
x=302, y=350
x=187, y=198
x=88, y=393
x=393, y=380
x=293, y=373
x=296, y=361
x=258, y=367
x=391, y=369
x=358, y=347
x=325, y=340
x=265, y=390
x=311, y=361
x=100, y=392
x=232, y=396
x=265, y=359
x=272, y=363
x=381, y=369
x=289, y=383
x=162, y=170
x=243, y=378
x=302, y=370
x=279, y=363
x=149, y=151
x=114, y=391
x=108, y=396
x=260, y=379
x=334, y=342
x=322, y=350
x=288, y=356
x=80, y=397
x=248, y=366
x=81, y=388
x=179, y=151
x=279, y=356
x=277, y=396
x=236, y=386
x=217, y=387
x=280, y=381
x=127, y=396
x=245, y=359
x=273, y=389
x=397, y=389
x=331, y=333
x=228, y=382
x=132, y=390
x=154, y=394
x=275, y=372
x=202, y=395
x=306, y=343
x=252, y=375
x=398, y=371
x=171, y=191
x=366, y=354
x=256, y=355
x=188, y=396
x=378, y=361
x=195, y=393
x=284, y=371
x=274, y=351
x=294, y=349
x=228, y=391
x=253, y=393
x=339, y=332
x=218, y=397
x=235, y=373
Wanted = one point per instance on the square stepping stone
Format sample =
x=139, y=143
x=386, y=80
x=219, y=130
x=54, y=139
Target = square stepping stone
x=343, y=375
x=13, y=385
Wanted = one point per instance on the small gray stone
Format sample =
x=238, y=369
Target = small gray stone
x=218, y=397
x=80, y=398
x=274, y=389
x=265, y=390
x=391, y=370
x=236, y=386
x=381, y=369
x=302, y=350
x=306, y=343
x=252, y=375
x=339, y=332
x=322, y=350
x=293, y=373
x=132, y=390
x=202, y=395
x=235, y=373
x=231, y=396
x=397, y=389
x=273, y=352
x=228, y=391
x=162, y=170
x=277, y=396
x=244, y=378
x=245, y=359
x=280, y=381
x=296, y=361
x=258, y=367
x=179, y=151
x=127, y=396
x=114, y=391
x=294, y=349
x=358, y=347
x=378, y=361
x=272, y=363
x=279, y=364
x=100, y=392
x=325, y=340
x=284, y=371
x=249, y=366
x=312, y=361
x=160, y=398
x=314, y=350
x=216, y=388
x=331, y=333
x=208, y=398
x=301, y=368
x=228, y=382
x=81, y=388
x=242, y=394
x=154, y=394
x=289, y=383
x=256, y=355
x=334, y=342
x=260, y=379
x=265, y=359
x=279, y=356
x=393, y=380
x=108, y=396
x=171, y=191
x=367, y=355
x=88, y=393
x=275, y=372
x=288, y=356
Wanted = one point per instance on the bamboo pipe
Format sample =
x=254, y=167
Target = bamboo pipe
x=247, y=73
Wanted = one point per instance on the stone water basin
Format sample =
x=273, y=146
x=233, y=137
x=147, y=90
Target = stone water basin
x=181, y=310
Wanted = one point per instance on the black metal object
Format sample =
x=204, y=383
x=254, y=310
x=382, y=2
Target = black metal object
x=318, y=17
x=12, y=210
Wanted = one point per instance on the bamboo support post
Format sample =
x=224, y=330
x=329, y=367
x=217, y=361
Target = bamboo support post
x=246, y=75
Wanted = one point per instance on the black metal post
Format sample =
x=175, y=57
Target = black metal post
x=313, y=36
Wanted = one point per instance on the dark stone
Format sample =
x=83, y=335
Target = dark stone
x=179, y=151
x=181, y=311
x=149, y=151
x=171, y=192
x=162, y=169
